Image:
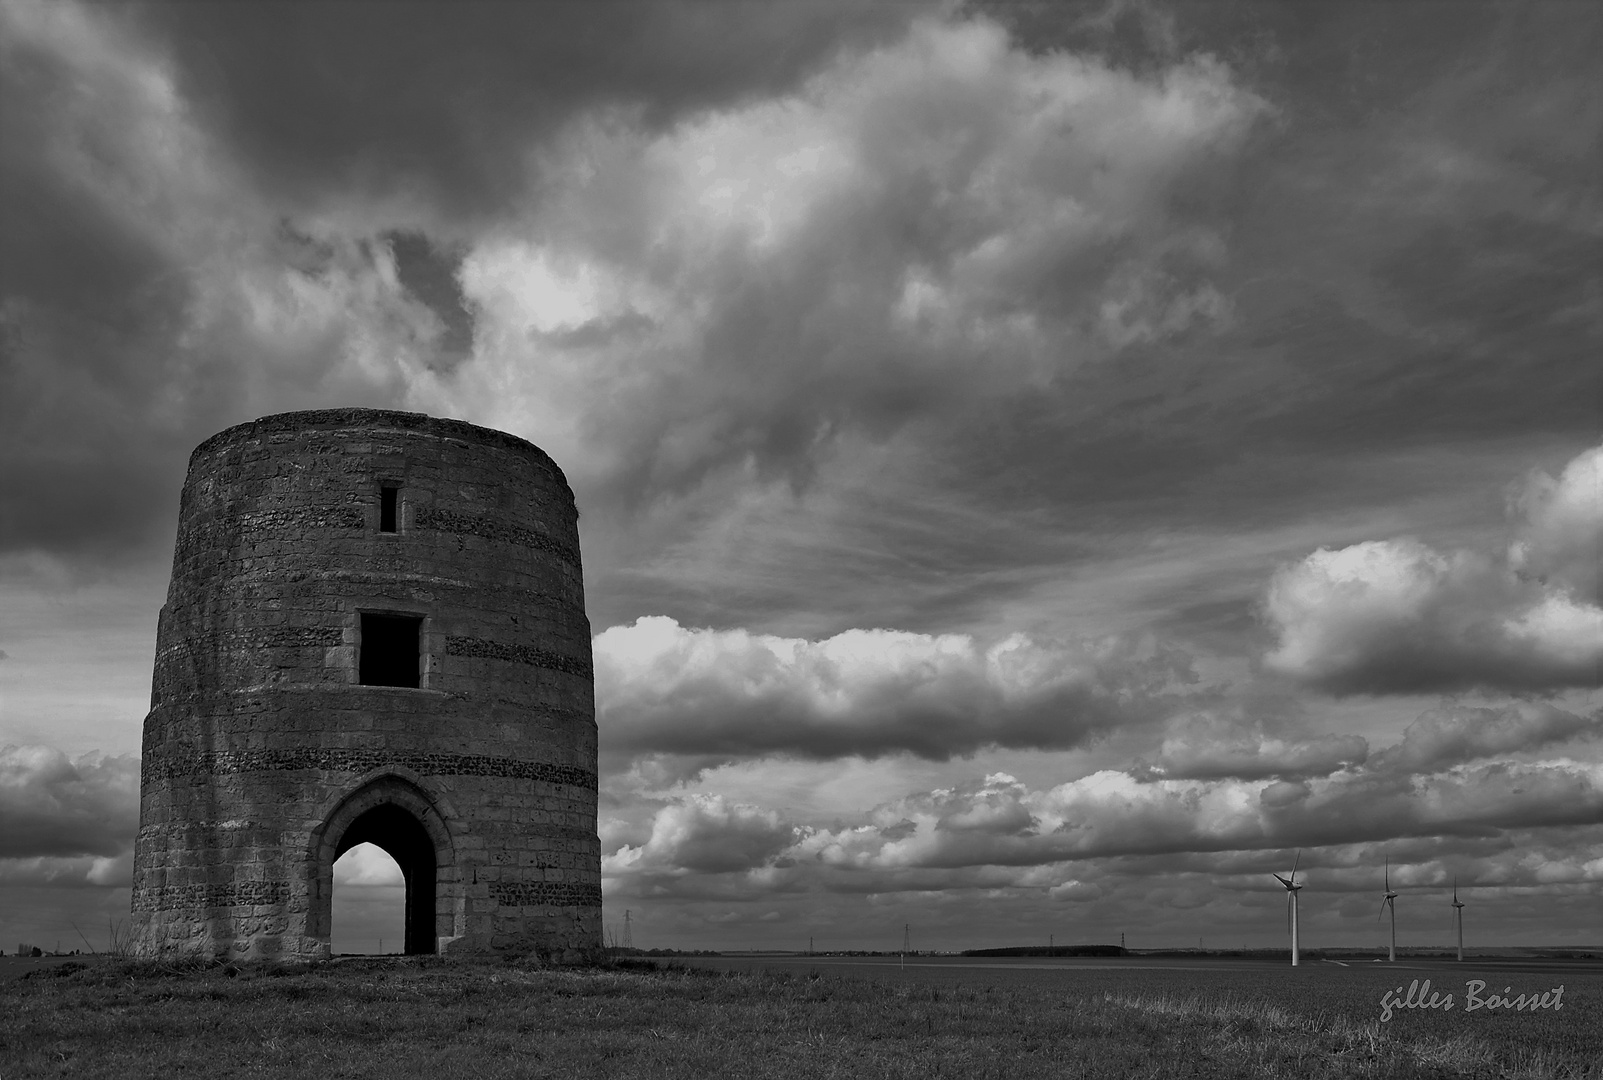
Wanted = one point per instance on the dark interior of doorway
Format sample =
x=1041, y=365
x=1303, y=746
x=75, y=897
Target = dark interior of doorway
x=402, y=837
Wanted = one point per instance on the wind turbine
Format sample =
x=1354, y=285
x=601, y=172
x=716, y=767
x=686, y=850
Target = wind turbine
x=1458, y=917
x=1391, y=898
x=1291, y=903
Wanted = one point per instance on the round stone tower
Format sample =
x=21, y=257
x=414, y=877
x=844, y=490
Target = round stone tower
x=375, y=633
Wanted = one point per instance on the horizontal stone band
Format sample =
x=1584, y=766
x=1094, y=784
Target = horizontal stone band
x=491, y=529
x=165, y=831
x=518, y=654
x=283, y=521
x=161, y=764
x=545, y=894
x=209, y=895
x=162, y=829
x=262, y=637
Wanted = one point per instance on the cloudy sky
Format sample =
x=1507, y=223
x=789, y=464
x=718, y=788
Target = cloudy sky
x=1041, y=464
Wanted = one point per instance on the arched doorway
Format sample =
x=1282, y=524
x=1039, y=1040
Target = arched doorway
x=396, y=816
x=402, y=837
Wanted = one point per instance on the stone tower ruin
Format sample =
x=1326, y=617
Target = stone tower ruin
x=375, y=632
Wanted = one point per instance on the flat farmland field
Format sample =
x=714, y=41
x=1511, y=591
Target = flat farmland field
x=794, y=1016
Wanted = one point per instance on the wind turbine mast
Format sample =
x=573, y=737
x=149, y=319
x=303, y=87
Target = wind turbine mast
x=1458, y=917
x=1391, y=901
x=1292, y=888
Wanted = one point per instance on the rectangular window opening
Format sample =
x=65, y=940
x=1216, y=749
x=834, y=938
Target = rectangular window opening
x=388, y=498
x=390, y=650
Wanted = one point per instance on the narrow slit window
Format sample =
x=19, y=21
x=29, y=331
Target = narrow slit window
x=388, y=499
x=390, y=650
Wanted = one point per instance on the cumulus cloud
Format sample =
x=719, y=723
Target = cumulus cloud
x=53, y=808
x=705, y=834
x=1561, y=540
x=1207, y=746
x=1000, y=833
x=1397, y=616
x=943, y=217
x=729, y=694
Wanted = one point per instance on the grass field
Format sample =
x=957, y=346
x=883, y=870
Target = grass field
x=437, y=1020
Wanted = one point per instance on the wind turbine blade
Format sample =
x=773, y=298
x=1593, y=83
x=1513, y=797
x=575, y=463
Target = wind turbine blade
x=1388, y=875
x=1294, y=863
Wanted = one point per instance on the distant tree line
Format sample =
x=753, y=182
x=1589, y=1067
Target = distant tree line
x=1050, y=950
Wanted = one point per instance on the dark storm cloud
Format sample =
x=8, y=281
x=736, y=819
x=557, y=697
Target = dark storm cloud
x=1438, y=167
x=195, y=225
x=51, y=806
x=87, y=309
x=115, y=213
x=430, y=274
x=383, y=97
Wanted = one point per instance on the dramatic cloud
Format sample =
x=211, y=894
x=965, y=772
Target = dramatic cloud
x=937, y=220
x=149, y=292
x=436, y=103
x=1061, y=325
x=1397, y=616
x=1455, y=734
x=725, y=695
x=53, y=807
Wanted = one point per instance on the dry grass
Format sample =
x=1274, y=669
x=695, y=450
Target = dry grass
x=436, y=1020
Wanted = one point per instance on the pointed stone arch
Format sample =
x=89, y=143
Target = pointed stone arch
x=393, y=811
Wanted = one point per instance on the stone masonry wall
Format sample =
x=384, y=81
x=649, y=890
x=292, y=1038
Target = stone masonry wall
x=259, y=730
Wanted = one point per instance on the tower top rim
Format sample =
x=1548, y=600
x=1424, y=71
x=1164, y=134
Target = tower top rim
x=377, y=420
